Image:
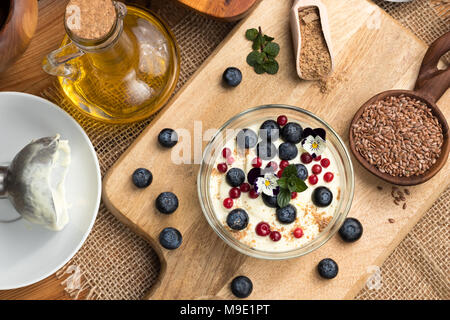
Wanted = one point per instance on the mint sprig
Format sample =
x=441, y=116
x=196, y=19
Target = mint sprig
x=262, y=58
x=288, y=183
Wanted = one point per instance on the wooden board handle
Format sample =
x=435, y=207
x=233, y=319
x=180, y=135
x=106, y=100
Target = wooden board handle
x=431, y=81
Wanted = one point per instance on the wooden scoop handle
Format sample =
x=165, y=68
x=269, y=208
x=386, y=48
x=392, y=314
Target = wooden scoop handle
x=431, y=81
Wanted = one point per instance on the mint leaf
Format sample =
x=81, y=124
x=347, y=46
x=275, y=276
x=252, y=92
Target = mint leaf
x=295, y=184
x=258, y=42
x=272, y=49
x=283, y=198
x=289, y=171
x=283, y=183
x=252, y=57
x=251, y=34
x=268, y=39
x=271, y=67
x=261, y=58
x=259, y=69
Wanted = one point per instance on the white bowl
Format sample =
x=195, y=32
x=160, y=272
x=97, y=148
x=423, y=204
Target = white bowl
x=28, y=252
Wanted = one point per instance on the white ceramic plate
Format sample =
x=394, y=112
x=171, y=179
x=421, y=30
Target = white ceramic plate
x=29, y=253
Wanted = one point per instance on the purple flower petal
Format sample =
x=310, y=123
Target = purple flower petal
x=254, y=174
x=320, y=132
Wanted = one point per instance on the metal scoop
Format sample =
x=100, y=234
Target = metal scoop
x=34, y=182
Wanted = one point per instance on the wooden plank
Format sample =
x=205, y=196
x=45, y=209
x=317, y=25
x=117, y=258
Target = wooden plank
x=228, y=10
x=373, y=53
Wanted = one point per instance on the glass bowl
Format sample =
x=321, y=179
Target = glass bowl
x=259, y=115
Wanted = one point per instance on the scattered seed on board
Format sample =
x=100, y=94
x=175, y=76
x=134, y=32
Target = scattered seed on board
x=404, y=206
x=391, y=220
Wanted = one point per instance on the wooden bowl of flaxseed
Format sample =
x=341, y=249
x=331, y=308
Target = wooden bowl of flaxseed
x=401, y=136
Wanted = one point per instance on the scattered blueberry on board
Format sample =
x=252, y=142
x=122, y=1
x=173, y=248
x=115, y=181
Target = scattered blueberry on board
x=287, y=214
x=142, y=178
x=351, y=230
x=168, y=138
x=167, y=202
x=237, y=219
x=235, y=177
x=241, y=286
x=328, y=268
x=170, y=238
x=232, y=76
x=322, y=197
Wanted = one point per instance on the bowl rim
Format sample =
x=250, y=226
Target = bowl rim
x=325, y=235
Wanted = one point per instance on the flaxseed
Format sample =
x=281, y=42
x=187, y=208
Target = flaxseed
x=399, y=135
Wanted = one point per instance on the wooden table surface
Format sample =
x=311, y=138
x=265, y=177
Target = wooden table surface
x=26, y=75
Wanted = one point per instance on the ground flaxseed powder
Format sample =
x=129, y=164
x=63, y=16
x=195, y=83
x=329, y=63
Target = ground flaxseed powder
x=315, y=58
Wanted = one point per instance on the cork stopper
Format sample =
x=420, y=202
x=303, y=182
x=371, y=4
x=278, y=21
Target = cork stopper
x=90, y=19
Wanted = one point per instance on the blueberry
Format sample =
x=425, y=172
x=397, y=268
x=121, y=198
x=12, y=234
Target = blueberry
x=167, y=202
x=170, y=238
x=142, y=178
x=246, y=138
x=269, y=130
x=167, y=138
x=237, y=219
x=241, y=287
x=322, y=196
x=235, y=177
x=302, y=171
x=287, y=151
x=269, y=201
x=292, y=132
x=232, y=76
x=266, y=150
x=351, y=230
x=328, y=268
x=287, y=214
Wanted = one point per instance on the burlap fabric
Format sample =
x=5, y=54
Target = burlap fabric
x=115, y=263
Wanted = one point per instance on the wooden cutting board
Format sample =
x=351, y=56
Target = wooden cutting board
x=373, y=53
x=228, y=10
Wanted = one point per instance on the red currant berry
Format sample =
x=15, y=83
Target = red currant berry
x=306, y=158
x=284, y=164
x=235, y=193
x=316, y=169
x=275, y=236
x=282, y=120
x=328, y=177
x=253, y=194
x=317, y=158
x=222, y=167
x=262, y=229
x=226, y=152
x=312, y=179
x=245, y=187
x=228, y=203
x=230, y=160
x=280, y=173
x=298, y=233
x=257, y=162
x=293, y=195
x=325, y=162
x=273, y=165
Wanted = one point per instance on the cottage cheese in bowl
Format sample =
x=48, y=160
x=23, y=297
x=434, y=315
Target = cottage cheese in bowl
x=241, y=181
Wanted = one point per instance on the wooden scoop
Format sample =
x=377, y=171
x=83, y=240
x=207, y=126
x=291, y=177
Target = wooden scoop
x=297, y=35
x=431, y=84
